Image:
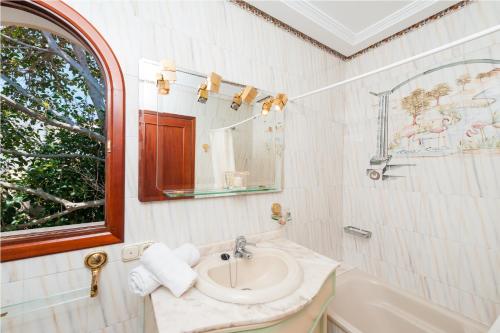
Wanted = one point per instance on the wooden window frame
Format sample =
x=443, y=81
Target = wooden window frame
x=34, y=244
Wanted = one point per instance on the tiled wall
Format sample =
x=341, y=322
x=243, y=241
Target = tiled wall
x=436, y=232
x=203, y=36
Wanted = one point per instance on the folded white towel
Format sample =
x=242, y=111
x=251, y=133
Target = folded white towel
x=168, y=269
x=142, y=282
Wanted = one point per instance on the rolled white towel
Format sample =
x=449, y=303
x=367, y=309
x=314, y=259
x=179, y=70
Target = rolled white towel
x=168, y=269
x=188, y=253
x=142, y=282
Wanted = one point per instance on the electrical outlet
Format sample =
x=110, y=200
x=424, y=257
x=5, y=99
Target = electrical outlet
x=144, y=246
x=130, y=252
x=134, y=251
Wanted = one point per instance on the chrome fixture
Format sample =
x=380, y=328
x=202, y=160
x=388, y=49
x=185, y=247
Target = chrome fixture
x=240, y=250
x=358, y=231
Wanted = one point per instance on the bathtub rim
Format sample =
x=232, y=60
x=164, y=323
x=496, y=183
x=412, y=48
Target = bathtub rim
x=344, y=324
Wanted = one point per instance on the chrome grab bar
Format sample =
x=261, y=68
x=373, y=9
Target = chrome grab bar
x=357, y=231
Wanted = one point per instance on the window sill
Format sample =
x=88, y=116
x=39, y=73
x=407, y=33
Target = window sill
x=23, y=246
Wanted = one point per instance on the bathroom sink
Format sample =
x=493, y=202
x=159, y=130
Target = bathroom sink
x=269, y=275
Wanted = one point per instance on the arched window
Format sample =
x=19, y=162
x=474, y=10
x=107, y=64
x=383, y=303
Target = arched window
x=62, y=132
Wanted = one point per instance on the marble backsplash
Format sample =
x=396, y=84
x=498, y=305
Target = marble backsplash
x=436, y=232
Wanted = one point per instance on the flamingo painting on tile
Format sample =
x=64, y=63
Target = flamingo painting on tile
x=439, y=117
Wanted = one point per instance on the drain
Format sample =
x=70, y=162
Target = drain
x=246, y=289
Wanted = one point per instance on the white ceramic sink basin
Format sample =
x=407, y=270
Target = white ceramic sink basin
x=271, y=274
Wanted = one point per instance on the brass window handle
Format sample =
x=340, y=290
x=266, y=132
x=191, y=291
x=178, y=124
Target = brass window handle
x=95, y=261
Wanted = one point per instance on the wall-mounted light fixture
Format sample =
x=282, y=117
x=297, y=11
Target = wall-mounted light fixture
x=213, y=82
x=235, y=105
x=266, y=106
x=162, y=85
x=202, y=93
x=165, y=76
x=248, y=94
x=279, y=102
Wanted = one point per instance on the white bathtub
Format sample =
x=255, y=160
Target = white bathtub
x=363, y=304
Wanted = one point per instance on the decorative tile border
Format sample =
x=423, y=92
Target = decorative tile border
x=254, y=10
x=415, y=26
x=280, y=24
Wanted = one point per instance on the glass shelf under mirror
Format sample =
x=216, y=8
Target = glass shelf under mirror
x=218, y=192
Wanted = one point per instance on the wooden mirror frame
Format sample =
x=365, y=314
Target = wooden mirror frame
x=34, y=244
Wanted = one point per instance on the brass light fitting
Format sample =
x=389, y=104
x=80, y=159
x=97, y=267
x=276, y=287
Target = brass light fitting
x=279, y=102
x=235, y=105
x=266, y=106
x=202, y=93
x=95, y=261
x=162, y=85
x=279, y=215
x=213, y=82
x=248, y=94
x=276, y=209
x=165, y=76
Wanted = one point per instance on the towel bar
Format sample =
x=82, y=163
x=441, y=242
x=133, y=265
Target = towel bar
x=357, y=231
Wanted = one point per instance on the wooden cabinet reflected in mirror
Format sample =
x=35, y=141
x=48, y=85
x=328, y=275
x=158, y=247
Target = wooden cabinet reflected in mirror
x=166, y=154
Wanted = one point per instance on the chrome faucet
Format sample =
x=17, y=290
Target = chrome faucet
x=240, y=250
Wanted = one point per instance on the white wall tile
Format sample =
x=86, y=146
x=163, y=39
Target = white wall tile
x=436, y=230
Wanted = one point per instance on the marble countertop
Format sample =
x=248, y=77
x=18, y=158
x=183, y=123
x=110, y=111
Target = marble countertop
x=196, y=312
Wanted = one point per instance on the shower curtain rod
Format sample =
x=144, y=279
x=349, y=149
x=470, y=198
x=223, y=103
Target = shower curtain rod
x=401, y=62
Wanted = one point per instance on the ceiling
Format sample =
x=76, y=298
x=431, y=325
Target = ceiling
x=350, y=26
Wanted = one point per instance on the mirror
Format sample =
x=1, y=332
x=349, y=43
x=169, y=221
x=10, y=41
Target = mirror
x=208, y=146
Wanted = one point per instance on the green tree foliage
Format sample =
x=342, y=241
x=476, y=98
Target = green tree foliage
x=52, y=131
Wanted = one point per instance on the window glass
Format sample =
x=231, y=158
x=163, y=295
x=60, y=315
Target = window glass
x=53, y=135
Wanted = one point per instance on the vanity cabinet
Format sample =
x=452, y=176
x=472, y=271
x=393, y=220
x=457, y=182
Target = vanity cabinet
x=311, y=319
x=303, y=310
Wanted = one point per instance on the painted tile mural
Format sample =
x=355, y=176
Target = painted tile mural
x=451, y=109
